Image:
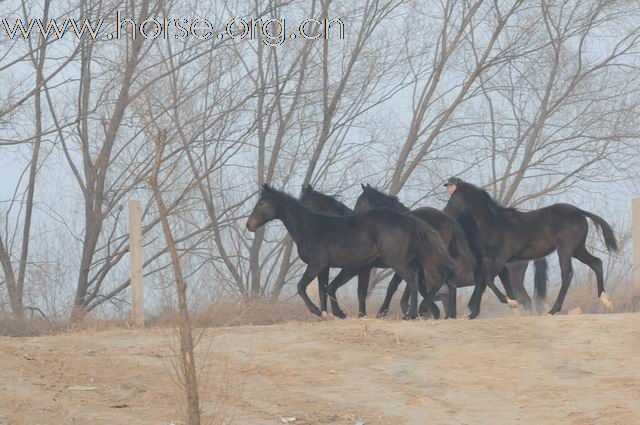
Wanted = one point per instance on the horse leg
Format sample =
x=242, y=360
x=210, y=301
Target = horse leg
x=404, y=300
x=452, y=311
x=503, y=275
x=566, y=272
x=435, y=269
x=343, y=277
x=490, y=270
x=505, y=278
x=448, y=300
x=517, y=273
x=430, y=299
x=594, y=264
x=363, y=287
x=444, y=299
x=391, y=289
x=309, y=274
x=425, y=307
x=422, y=289
x=323, y=283
x=409, y=275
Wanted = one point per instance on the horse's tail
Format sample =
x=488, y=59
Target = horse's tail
x=607, y=232
x=430, y=245
x=540, y=278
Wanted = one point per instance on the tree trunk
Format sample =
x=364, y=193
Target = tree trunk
x=184, y=322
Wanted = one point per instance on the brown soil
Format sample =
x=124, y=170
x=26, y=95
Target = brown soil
x=582, y=369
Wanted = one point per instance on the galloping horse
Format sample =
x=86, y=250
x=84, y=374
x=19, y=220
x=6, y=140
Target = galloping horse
x=355, y=241
x=446, y=226
x=512, y=275
x=511, y=235
x=326, y=204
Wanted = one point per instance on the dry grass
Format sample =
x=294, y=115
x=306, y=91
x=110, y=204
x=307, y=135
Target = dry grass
x=36, y=326
x=582, y=296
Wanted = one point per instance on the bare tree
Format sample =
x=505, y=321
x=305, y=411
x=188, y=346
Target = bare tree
x=184, y=322
x=532, y=100
x=15, y=278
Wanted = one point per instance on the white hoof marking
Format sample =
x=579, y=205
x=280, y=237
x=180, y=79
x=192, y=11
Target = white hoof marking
x=604, y=298
x=512, y=303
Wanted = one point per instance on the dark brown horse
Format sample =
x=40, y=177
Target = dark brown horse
x=512, y=275
x=511, y=235
x=355, y=241
x=326, y=204
x=329, y=205
x=453, y=236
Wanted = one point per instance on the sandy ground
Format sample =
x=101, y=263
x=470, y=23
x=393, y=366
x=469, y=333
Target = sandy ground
x=528, y=370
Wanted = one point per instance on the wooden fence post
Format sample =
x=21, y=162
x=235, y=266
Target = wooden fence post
x=635, y=233
x=135, y=263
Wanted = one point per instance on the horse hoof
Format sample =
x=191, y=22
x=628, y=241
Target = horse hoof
x=604, y=298
x=512, y=303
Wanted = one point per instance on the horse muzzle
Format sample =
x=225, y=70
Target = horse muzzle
x=252, y=225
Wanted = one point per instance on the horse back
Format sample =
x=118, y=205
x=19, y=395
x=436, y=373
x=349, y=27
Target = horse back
x=554, y=217
x=441, y=222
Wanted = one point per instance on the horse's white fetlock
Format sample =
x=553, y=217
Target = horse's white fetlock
x=604, y=298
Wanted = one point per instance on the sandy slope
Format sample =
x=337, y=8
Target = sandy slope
x=528, y=370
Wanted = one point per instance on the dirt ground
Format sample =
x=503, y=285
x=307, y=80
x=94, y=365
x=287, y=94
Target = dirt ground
x=582, y=369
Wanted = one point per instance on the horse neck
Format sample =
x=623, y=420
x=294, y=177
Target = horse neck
x=293, y=216
x=400, y=207
x=332, y=209
x=394, y=204
x=485, y=221
x=337, y=207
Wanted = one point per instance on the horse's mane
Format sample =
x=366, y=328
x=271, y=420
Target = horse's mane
x=496, y=210
x=331, y=200
x=268, y=191
x=372, y=193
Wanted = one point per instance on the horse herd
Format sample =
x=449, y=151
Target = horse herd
x=469, y=243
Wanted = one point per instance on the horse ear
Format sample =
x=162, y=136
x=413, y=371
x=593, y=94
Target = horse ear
x=363, y=187
x=266, y=187
x=309, y=188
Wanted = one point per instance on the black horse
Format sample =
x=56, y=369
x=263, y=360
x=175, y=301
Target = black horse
x=512, y=275
x=452, y=235
x=355, y=241
x=326, y=204
x=511, y=235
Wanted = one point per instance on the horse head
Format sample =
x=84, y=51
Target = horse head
x=265, y=209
